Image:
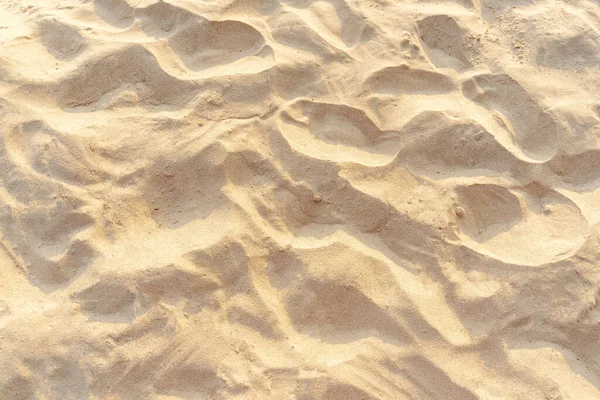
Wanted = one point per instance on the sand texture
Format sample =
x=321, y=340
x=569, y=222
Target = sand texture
x=296, y=199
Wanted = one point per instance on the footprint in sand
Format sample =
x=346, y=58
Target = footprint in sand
x=62, y=40
x=207, y=44
x=577, y=171
x=340, y=132
x=403, y=79
x=131, y=69
x=444, y=41
x=529, y=226
x=441, y=146
x=534, y=130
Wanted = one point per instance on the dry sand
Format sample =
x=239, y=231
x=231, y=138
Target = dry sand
x=336, y=199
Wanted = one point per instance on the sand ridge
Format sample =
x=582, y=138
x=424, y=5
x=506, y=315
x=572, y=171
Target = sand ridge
x=334, y=199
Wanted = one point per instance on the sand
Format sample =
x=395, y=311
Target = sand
x=335, y=199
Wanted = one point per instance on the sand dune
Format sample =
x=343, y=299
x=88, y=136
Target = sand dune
x=296, y=199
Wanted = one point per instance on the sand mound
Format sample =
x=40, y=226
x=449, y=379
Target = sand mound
x=333, y=199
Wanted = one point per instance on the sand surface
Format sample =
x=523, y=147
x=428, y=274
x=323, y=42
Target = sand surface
x=335, y=199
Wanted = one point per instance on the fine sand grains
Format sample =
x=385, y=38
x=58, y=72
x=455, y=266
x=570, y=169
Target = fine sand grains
x=297, y=199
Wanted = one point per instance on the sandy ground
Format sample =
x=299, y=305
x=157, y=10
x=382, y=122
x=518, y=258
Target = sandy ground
x=336, y=199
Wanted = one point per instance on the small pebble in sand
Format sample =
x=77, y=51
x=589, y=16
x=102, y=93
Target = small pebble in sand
x=459, y=211
x=317, y=198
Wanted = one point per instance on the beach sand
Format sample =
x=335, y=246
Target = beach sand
x=335, y=199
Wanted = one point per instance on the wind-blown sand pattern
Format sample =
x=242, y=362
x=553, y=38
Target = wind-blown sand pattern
x=335, y=199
